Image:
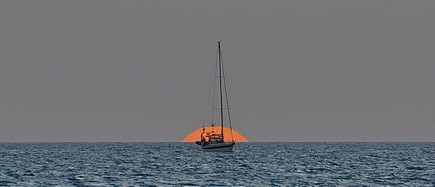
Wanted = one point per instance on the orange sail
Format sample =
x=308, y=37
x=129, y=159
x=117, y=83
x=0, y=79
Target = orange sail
x=196, y=136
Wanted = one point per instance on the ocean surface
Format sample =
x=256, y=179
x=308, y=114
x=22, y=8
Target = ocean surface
x=184, y=164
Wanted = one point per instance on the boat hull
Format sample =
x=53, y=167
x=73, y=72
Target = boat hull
x=219, y=147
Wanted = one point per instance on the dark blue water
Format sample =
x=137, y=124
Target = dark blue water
x=251, y=164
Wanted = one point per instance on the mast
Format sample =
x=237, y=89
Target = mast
x=220, y=87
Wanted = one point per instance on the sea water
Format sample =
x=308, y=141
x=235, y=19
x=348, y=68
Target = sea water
x=184, y=164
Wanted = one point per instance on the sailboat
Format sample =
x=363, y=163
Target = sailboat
x=215, y=140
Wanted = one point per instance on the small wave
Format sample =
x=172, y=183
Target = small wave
x=181, y=164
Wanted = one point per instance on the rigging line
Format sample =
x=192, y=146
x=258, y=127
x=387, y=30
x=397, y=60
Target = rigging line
x=211, y=92
x=214, y=83
x=227, y=102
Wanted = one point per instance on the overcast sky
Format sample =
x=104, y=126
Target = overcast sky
x=305, y=70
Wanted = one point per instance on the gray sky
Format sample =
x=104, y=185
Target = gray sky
x=301, y=70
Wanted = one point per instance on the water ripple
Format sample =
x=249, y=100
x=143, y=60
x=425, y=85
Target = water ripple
x=183, y=164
